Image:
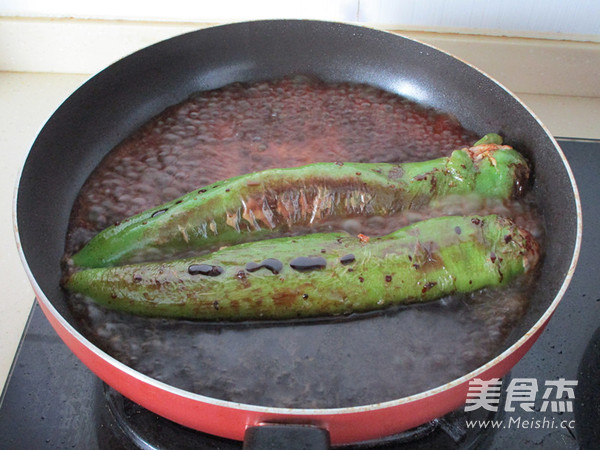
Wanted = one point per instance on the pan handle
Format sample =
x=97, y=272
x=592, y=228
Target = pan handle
x=273, y=436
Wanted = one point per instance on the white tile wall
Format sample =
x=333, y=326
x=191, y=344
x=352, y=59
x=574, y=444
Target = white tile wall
x=515, y=16
x=520, y=17
x=185, y=10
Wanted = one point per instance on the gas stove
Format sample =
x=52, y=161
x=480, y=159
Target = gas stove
x=53, y=401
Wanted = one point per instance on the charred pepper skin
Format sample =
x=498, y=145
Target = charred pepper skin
x=320, y=274
x=256, y=206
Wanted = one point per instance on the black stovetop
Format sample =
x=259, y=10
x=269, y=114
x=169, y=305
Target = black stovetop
x=52, y=401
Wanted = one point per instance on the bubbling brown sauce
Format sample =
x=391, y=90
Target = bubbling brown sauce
x=323, y=363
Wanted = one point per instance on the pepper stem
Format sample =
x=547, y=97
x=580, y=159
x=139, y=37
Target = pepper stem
x=490, y=138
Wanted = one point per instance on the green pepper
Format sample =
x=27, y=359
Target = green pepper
x=320, y=274
x=260, y=205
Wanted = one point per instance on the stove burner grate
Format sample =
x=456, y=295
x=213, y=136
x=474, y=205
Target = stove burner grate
x=139, y=429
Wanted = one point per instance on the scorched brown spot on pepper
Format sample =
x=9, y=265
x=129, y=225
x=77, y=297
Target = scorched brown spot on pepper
x=285, y=299
x=426, y=256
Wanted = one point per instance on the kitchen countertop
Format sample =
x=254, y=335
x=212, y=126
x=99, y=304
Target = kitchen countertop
x=28, y=98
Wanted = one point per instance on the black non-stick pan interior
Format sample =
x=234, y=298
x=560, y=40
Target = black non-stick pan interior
x=117, y=101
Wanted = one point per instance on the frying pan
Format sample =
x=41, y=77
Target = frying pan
x=118, y=100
